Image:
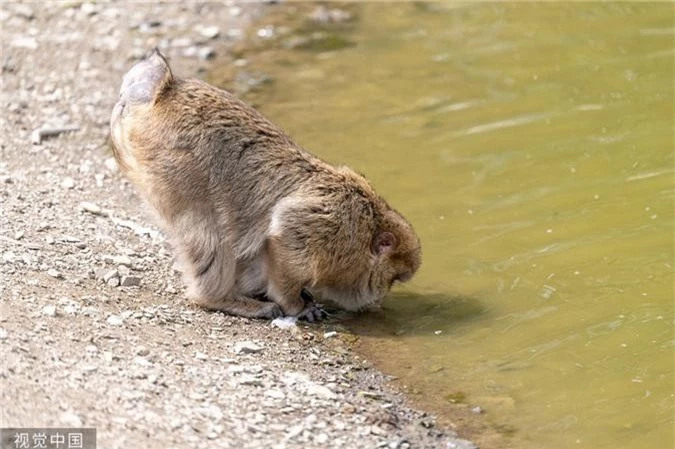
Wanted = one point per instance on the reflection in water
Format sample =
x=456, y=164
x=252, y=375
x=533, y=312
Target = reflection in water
x=437, y=311
x=531, y=144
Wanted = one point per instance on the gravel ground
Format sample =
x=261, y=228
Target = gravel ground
x=94, y=328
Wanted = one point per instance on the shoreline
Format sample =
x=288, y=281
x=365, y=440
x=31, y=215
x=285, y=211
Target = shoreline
x=94, y=328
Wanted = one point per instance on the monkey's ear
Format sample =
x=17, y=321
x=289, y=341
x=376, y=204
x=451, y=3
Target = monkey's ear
x=383, y=243
x=145, y=81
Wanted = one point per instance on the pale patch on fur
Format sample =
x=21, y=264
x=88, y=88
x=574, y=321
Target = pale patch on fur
x=276, y=226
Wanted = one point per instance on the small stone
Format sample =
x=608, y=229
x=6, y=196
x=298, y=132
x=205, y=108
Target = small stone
x=110, y=164
x=320, y=391
x=324, y=15
x=247, y=347
x=113, y=282
x=49, y=310
x=24, y=11
x=329, y=334
x=25, y=42
x=88, y=9
x=275, y=394
x=68, y=183
x=181, y=42
x=54, y=273
x=3, y=334
x=201, y=356
x=18, y=235
x=142, y=361
x=130, y=281
x=251, y=381
x=70, y=419
x=209, y=32
x=206, y=53
x=142, y=351
x=108, y=274
x=461, y=444
x=114, y=320
x=477, y=410
x=92, y=208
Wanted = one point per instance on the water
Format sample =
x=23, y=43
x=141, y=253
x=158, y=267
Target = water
x=531, y=144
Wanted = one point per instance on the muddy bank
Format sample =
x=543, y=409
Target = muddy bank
x=94, y=327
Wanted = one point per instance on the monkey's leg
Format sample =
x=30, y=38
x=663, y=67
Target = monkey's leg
x=285, y=286
x=243, y=306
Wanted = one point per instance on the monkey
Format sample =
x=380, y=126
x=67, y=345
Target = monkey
x=259, y=225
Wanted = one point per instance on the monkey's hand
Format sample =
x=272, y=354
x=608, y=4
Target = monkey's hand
x=312, y=311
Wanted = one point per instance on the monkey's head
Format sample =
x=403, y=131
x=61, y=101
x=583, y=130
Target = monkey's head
x=395, y=255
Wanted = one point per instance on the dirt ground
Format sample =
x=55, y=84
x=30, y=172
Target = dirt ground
x=94, y=327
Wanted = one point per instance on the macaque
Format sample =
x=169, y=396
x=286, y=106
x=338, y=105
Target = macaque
x=260, y=226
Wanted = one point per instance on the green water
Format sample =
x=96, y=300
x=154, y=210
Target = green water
x=531, y=145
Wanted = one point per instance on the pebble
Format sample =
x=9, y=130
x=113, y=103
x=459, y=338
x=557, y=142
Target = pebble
x=206, y=53
x=130, y=281
x=54, y=273
x=201, y=356
x=251, y=381
x=49, y=310
x=113, y=282
x=461, y=444
x=181, y=42
x=477, y=410
x=247, y=347
x=209, y=32
x=40, y=134
x=121, y=260
x=3, y=334
x=329, y=334
x=88, y=9
x=92, y=208
x=323, y=15
x=142, y=361
x=114, y=320
x=275, y=394
x=24, y=11
x=18, y=235
x=109, y=274
x=25, y=42
x=320, y=391
x=70, y=419
x=142, y=351
x=68, y=183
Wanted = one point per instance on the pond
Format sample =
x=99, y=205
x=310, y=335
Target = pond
x=531, y=145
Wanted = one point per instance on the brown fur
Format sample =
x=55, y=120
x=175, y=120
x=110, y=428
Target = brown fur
x=255, y=218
